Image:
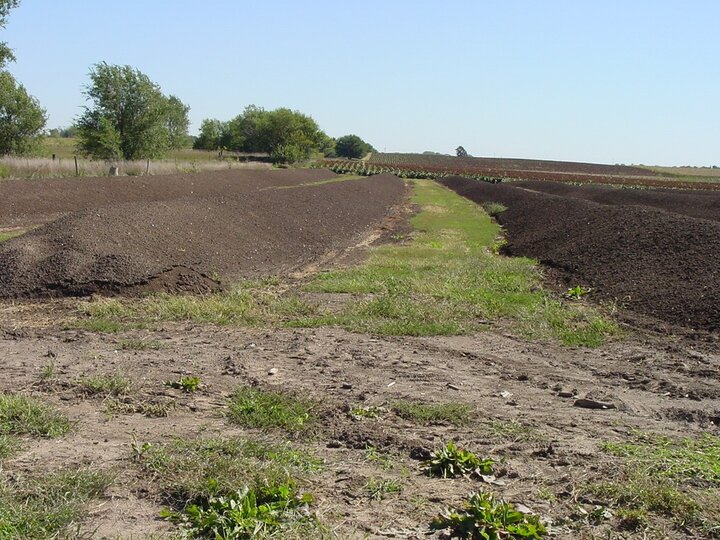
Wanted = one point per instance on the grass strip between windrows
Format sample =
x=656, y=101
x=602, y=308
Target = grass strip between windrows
x=446, y=280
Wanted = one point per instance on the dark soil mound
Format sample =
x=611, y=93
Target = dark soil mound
x=699, y=204
x=655, y=263
x=33, y=202
x=191, y=243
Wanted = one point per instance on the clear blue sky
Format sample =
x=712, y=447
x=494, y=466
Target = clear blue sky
x=611, y=81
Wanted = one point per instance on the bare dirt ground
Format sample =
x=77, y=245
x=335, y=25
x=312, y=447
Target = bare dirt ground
x=524, y=395
x=545, y=443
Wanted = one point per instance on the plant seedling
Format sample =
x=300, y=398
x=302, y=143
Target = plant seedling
x=451, y=462
x=577, y=292
x=186, y=383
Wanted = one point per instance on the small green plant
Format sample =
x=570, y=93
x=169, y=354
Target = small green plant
x=457, y=414
x=498, y=245
x=103, y=385
x=47, y=372
x=186, y=383
x=482, y=517
x=512, y=430
x=451, y=462
x=371, y=411
x=385, y=461
x=8, y=445
x=258, y=408
x=379, y=488
x=577, y=292
x=139, y=450
x=245, y=514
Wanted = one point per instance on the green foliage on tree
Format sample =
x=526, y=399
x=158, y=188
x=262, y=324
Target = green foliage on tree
x=130, y=118
x=6, y=54
x=21, y=117
x=352, y=146
x=287, y=136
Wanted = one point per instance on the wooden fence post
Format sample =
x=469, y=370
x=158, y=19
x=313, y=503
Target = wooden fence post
x=77, y=169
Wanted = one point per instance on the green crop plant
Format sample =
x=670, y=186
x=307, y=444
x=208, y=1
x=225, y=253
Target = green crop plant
x=577, y=292
x=451, y=461
x=186, y=383
x=482, y=517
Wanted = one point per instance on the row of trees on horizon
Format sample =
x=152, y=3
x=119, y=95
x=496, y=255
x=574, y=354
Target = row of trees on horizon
x=129, y=117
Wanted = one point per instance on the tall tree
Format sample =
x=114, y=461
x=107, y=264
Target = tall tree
x=352, y=146
x=129, y=117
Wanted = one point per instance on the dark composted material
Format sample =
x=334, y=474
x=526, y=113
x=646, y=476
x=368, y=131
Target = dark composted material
x=196, y=241
x=654, y=262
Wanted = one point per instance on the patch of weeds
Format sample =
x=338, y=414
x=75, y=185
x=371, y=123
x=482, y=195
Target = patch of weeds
x=258, y=512
x=493, y=208
x=687, y=460
x=577, y=292
x=457, y=414
x=140, y=345
x=451, y=461
x=149, y=408
x=20, y=415
x=512, y=430
x=379, y=488
x=258, y=408
x=482, y=517
x=104, y=385
x=632, y=519
x=498, y=245
x=371, y=411
x=384, y=460
x=48, y=506
x=202, y=478
x=186, y=383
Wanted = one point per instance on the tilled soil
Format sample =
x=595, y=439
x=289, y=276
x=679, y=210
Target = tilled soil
x=197, y=240
x=698, y=204
x=656, y=263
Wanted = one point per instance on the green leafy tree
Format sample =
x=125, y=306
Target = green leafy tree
x=288, y=136
x=212, y=135
x=130, y=117
x=21, y=117
x=352, y=146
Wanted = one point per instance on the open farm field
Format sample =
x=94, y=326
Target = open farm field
x=503, y=169
x=297, y=354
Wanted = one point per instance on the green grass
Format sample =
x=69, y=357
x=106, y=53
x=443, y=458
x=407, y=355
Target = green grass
x=379, y=488
x=678, y=478
x=688, y=459
x=258, y=408
x=457, y=414
x=447, y=281
x=105, y=385
x=48, y=506
x=7, y=235
x=8, y=445
x=20, y=415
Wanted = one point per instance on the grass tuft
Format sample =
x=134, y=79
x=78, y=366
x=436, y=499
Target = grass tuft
x=102, y=385
x=48, y=506
x=457, y=414
x=20, y=415
x=258, y=408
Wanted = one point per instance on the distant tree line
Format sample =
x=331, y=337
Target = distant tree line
x=129, y=117
x=287, y=136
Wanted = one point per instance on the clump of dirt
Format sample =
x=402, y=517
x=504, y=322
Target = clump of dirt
x=656, y=263
x=193, y=242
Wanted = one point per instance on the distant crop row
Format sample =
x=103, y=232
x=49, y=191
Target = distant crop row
x=496, y=170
